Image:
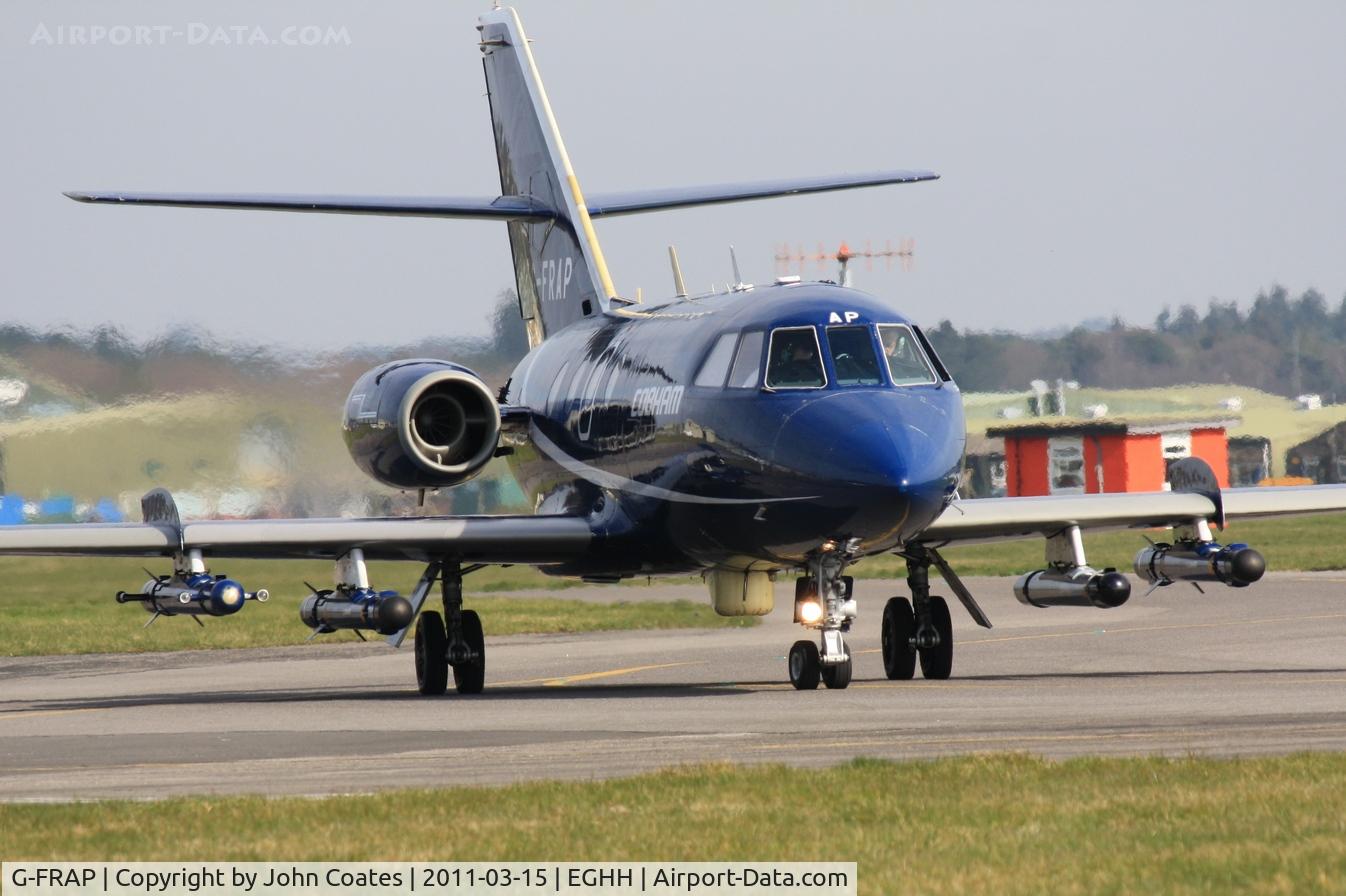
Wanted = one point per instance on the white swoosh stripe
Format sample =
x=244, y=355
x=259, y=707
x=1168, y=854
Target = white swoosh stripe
x=612, y=480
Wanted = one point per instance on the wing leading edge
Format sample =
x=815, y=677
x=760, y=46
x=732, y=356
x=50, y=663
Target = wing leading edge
x=990, y=519
x=535, y=540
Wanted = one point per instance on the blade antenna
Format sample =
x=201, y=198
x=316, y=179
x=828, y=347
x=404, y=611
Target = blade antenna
x=739, y=285
x=679, y=287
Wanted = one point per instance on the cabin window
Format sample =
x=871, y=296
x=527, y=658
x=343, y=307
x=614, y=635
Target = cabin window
x=853, y=358
x=1065, y=466
x=748, y=362
x=716, y=366
x=906, y=363
x=795, y=359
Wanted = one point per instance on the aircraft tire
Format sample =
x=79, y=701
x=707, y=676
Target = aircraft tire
x=805, y=668
x=837, y=676
x=937, y=662
x=432, y=661
x=899, y=626
x=470, y=677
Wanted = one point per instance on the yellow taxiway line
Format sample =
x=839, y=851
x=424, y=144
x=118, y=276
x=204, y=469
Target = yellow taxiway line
x=563, y=680
x=1142, y=628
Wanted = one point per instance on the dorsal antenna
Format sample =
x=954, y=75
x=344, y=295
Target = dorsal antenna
x=739, y=285
x=679, y=287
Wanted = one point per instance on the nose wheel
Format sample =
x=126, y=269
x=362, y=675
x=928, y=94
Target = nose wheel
x=805, y=669
x=823, y=602
x=837, y=676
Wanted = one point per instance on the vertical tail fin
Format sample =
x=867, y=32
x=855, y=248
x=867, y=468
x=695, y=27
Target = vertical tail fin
x=558, y=264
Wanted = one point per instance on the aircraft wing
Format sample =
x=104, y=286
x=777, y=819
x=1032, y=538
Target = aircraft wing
x=990, y=519
x=472, y=539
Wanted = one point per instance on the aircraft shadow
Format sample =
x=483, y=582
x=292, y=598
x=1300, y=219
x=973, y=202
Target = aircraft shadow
x=506, y=693
x=598, y=691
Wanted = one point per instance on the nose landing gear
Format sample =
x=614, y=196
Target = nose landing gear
x=823, y=602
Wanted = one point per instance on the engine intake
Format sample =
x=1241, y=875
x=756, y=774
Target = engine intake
x=421, y=424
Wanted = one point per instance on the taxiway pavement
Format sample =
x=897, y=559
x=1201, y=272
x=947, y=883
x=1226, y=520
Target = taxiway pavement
x=1258, y=670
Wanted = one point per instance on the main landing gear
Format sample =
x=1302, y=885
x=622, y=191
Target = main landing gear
x=919, y=629
x=449, y=641
x=823, y=601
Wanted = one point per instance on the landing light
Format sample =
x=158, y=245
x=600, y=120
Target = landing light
x=810, y=611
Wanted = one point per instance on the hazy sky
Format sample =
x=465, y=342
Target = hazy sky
x=1097, y=158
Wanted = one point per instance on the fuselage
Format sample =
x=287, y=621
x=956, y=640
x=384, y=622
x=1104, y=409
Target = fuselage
x=689, y=436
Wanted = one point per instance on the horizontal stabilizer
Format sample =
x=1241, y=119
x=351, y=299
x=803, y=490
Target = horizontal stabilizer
x=501, y=208
x=610, y=204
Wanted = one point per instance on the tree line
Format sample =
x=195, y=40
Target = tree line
x=1281, y=344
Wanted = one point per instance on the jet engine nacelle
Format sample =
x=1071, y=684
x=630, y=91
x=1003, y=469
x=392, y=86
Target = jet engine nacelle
x=1236, y=565
x=1077, y=587
x=421, y=424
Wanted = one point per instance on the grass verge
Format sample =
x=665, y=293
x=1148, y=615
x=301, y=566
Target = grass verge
x=65, y=606
x=981, y=824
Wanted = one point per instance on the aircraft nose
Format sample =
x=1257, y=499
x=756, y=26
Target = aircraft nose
x=866, y=453
x=871, y=439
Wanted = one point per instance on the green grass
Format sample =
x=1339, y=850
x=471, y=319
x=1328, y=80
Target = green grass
x=64, y=606
x=980, y=824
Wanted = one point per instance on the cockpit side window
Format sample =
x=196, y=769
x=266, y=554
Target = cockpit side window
x=747, y=368
x=795, y=360
x=716, y=366
x=853, y=357
x=940, y=370
x=906, y=363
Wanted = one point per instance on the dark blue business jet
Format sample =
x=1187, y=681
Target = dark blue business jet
x=791, y=428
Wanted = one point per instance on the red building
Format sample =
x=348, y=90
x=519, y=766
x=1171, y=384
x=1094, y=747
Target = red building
x=1063, y=457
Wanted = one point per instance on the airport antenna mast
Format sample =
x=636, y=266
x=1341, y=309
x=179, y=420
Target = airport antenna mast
x=905, y=254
